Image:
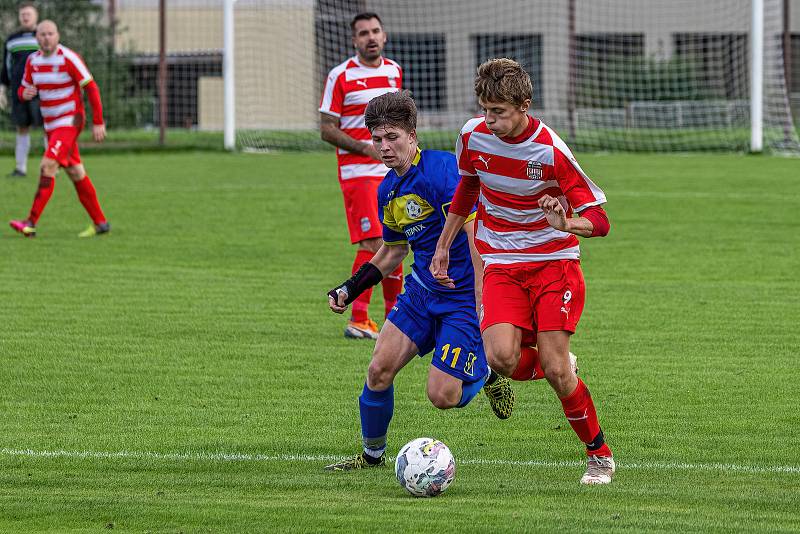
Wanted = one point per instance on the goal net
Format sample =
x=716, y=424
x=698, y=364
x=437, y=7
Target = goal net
x=633, y=75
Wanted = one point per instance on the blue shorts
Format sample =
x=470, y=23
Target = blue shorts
x=445, y=324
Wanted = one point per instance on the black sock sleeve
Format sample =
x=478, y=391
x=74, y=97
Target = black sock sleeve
x=367, y=276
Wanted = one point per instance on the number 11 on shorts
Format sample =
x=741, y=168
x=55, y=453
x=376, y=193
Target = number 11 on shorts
x=456, y=354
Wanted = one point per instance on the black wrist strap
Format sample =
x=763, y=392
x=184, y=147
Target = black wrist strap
x=367, y=276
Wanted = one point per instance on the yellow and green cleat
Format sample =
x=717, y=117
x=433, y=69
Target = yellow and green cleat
x=501, y=397
x=357, y=462
x=96, y=229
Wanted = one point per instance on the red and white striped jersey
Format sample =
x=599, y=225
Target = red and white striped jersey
x=511, y=228
x=348, y=90
x=59, y=78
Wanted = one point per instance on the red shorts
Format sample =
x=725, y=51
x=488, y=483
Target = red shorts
x=536, y=297
x=62, y=146
x=361, y=208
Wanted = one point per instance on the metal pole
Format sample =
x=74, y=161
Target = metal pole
x=228, y=72
x=571, y=72
x=757, y=77
x=162, y=71
x=112, y=22
x=787, y=48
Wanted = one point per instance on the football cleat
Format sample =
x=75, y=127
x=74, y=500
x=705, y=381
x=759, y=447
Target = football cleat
x=357, y=462
x=599, y=470
x=501, y=397
x=26, y=228
x=363, y=330
x=96, y=229
x=16, y=173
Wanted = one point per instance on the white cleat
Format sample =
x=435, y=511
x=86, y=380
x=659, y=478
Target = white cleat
x=599, y=470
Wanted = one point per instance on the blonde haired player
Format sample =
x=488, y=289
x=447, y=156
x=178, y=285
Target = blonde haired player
x=534, y=201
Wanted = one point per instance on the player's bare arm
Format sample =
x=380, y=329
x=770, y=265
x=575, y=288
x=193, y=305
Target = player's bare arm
x=557, y=218
x=331, y=133
x=441, y=258
x=383, y=263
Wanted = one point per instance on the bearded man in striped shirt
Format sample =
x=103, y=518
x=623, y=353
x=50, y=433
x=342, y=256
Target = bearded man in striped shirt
x=59, y=77
x=533, y=200
x=348, y=89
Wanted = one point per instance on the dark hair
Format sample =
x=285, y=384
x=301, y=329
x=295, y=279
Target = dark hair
x=367, y=15
x=503, y=80
x=23, y=5
x=392, y=109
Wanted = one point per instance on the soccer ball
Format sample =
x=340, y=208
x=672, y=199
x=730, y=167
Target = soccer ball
x=425, y=467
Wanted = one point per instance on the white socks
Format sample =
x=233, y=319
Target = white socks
x=22, y=150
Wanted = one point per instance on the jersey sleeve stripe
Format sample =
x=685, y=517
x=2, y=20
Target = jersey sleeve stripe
x=598, y=202
x=562, y=147
x=326, y=103
x=79, y=65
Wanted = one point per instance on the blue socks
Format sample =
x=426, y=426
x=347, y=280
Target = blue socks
x=469, y=390
x=376, y=409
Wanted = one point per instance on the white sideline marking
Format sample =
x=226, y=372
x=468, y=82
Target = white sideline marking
x=237, y=457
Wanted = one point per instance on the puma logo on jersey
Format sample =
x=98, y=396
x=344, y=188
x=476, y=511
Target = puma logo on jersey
x=485, y=161
x=362, y=82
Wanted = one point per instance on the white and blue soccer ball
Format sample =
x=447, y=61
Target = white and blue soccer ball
x=425, y=467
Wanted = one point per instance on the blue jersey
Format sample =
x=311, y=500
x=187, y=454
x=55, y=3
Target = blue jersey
x=413, y=209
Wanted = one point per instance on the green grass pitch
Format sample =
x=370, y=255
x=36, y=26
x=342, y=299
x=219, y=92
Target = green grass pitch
x=183, y=374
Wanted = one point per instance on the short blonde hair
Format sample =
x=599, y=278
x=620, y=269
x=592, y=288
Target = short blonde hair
x=503, y=80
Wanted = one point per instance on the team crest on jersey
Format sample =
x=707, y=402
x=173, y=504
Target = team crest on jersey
x=392, y=81
x=413, y=209
x=534, y=170
x=365, y=224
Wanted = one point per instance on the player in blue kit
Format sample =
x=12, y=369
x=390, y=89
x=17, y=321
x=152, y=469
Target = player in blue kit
x=412, y=205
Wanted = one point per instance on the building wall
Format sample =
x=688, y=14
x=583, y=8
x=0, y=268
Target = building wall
x=274, y=59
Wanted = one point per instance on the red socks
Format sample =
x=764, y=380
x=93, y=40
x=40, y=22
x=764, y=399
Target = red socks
x=582, y=417
x=361, y=304
x=392, y=287
x=528, y=367
x=86, y=194
x=88, y=197
x=43, y=194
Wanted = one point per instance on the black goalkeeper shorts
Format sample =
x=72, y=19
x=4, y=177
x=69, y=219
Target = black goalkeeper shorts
x=25, y=114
